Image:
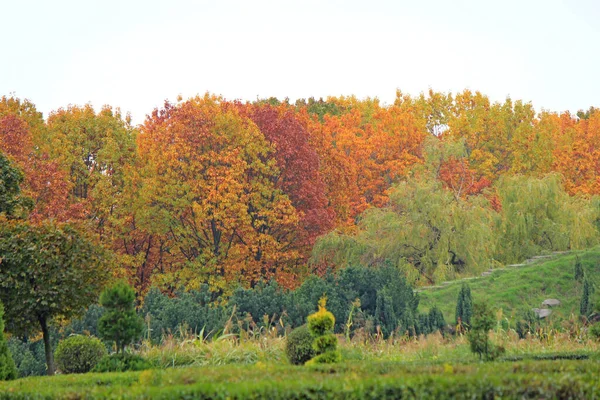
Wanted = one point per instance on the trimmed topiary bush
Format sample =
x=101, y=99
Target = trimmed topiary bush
x=120, y=362
x=320, y=326
x=79, y=354
x=8, y=370
x=298, y=346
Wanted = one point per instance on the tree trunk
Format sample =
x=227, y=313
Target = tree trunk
x=47, y=345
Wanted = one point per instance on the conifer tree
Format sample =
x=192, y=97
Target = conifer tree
x=320, y=325
x=586, y=305
x=120, y=323
x=578, y=270
x=464, y=306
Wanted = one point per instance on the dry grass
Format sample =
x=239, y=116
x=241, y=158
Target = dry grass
x=268, y=347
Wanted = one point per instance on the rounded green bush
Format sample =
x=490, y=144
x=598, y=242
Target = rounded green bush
x=298, y=346
x=79, y=354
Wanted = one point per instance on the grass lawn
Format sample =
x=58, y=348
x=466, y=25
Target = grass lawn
x=515, y=289
x=373, y=379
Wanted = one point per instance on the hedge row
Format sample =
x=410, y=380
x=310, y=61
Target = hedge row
x=531, y=379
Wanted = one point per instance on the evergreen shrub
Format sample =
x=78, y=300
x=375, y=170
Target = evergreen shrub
x=79, y=354
x=298, y=346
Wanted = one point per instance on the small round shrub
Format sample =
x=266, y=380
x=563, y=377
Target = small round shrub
x=79, y=354
x=298, y=346
x=121, y=362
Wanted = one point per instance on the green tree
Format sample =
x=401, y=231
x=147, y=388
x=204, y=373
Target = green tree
x=47, y=271
x=537, y=215
x=120, y=323
x=578, y=270
x=464, y=306
x=12, y=204
x=483, y=321
x=8, y=370
x=586, y=305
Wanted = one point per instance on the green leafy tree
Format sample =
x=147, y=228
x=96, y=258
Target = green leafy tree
x=8, y=370
x=120, y=323
x=47, y=271
x=464, y=306
x=12, y=203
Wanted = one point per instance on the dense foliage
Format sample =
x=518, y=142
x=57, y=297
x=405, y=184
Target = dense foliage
x=226, y=194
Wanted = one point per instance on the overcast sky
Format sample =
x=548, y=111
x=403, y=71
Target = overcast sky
x=135, y=54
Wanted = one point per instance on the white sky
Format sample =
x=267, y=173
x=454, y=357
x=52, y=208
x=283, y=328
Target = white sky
x=135, y=54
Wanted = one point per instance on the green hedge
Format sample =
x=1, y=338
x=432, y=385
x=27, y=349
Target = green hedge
x=529, y=379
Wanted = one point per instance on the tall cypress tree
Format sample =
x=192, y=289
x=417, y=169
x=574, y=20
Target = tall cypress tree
x=464, y=306
x=578, y=270
x=586, y=306
x=8, y=370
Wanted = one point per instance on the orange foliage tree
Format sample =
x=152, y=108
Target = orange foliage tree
x=207, y=182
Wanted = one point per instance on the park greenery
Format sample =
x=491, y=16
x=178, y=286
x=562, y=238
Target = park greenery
x=409, y=244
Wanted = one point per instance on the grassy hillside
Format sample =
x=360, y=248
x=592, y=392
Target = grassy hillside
x=517, y=288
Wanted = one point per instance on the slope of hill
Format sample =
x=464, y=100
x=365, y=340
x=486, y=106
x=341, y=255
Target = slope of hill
x=525, y=286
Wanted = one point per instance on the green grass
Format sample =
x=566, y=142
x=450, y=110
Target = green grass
x=514, y=289
x=351, y=380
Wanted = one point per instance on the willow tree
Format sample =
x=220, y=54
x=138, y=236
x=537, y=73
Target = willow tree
x=424, y=230
x=537, y=215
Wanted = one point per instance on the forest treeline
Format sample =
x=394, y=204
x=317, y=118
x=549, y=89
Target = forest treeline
x=221, y=194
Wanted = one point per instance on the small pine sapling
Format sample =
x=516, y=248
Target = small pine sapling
x=482, y=322
x=120, y=323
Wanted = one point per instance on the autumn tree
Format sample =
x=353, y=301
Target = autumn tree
x=208, y=183
x=298, y=165
x=22, y=140
x=47, y=271
x=363, y=151
x=93, y=149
